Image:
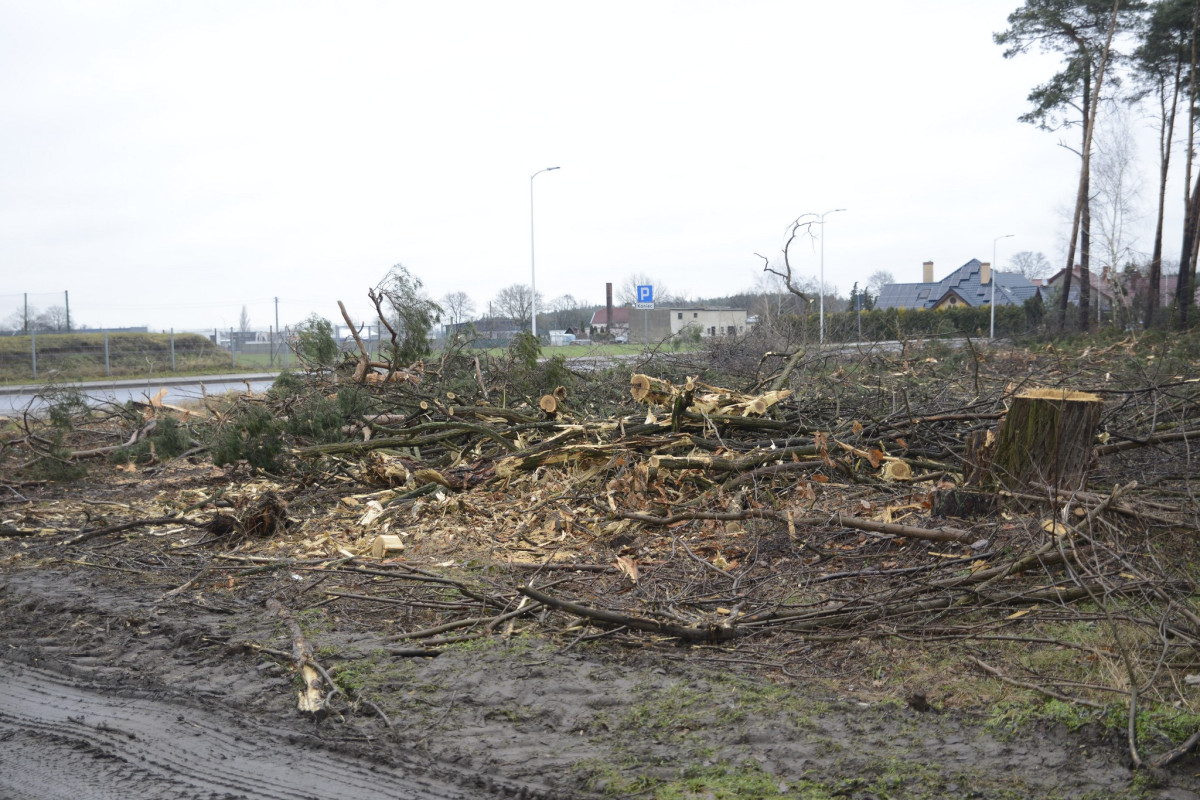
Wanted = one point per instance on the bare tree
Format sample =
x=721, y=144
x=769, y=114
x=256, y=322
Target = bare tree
x=773, y=301
x=806, y=289
x=802, y=226
x=1116, y=189
x=564, y=312
x=244, y=321
x=627, y=293
x=460, y=306
x=53, y=318
x=1030, y=264
x=564, y=302
x=516, y=303
x=22, y=319
x=879, y=279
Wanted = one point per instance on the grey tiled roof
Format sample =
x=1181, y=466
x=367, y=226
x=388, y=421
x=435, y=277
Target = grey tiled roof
x=905, y=295
x=1011, y=289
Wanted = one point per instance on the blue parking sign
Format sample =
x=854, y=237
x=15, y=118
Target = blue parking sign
x=645, y=294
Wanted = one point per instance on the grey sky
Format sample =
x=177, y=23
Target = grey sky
x=170, y=162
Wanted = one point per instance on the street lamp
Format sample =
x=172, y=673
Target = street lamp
x=532, y=267
x=822, y=289
x=992, y=334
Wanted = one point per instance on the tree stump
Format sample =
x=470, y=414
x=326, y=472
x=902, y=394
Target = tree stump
x=1046, y=440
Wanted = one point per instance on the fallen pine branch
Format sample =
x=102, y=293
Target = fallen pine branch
x=141, y=433
x=771, y=469
x=555, y=566
x=894, y=529
x=445, y=430
x=1176, y=753
x=1090, y=500
x=402, y=572
x=310, y=700
x=1157, y=438
x=195, y=579
x=713, y=633
x=125, y=526
x=490, y=622
x=998, y=675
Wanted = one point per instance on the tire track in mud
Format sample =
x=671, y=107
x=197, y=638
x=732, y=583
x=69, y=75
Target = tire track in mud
x=62, y=740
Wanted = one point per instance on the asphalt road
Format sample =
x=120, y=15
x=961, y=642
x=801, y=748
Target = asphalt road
x=16, y=399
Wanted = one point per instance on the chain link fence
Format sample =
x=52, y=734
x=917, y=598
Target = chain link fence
x=93, y=354
x=36, y=311
x=100, y=354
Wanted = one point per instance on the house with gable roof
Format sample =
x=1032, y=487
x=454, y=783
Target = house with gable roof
x=618, y=325
x=1103, y=292
x=969, y=285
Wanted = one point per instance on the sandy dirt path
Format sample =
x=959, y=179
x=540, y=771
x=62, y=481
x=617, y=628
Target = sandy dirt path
x=62, y=739
x=105, y=692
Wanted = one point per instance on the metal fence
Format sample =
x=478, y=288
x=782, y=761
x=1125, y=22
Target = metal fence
x=130, y=353
x=90, y=355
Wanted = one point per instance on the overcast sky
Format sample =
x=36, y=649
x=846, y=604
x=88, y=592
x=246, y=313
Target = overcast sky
x=170, y=162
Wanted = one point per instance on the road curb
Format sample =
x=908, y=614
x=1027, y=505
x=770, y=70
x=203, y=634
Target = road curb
x=139, y=383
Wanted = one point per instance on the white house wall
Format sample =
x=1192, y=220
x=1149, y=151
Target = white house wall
x=711, y=322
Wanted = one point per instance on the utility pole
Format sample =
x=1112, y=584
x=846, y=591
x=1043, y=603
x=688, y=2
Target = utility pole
x=859, y=298
x=822, y=323
x=67, y=302
x=532, y=267
x=992, y=302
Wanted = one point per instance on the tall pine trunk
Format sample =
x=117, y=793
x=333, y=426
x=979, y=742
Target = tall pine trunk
x=1091, y=101
x=1081, y=198
x=1085, y=247
x=1166, y=134
x=1187, y=253
x=1183, y=285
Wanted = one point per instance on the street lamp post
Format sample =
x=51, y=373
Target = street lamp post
x=532, y=263
x=821, y=290
x=992, y=334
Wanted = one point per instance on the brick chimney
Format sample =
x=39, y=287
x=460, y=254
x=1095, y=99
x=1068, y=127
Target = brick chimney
x=608, y=307
x=927, y=275
x=985, y=273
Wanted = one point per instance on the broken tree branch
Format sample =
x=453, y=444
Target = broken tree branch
x=712, y=633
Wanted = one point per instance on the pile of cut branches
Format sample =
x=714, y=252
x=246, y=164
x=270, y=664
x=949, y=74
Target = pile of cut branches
x=835, y=498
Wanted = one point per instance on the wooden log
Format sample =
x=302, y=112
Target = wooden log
x=311, y=699
x=364, y=362
x=652, y=391
x=386, y=543
x=1047, y=438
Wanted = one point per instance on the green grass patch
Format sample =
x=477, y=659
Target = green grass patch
x=746, y=781
x=608, y=780
x=81, y=356
x=677, y=711
x=513, y=645
x=1159, y=725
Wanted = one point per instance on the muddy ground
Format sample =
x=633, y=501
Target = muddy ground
x=643, y=599
x=528, y=716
